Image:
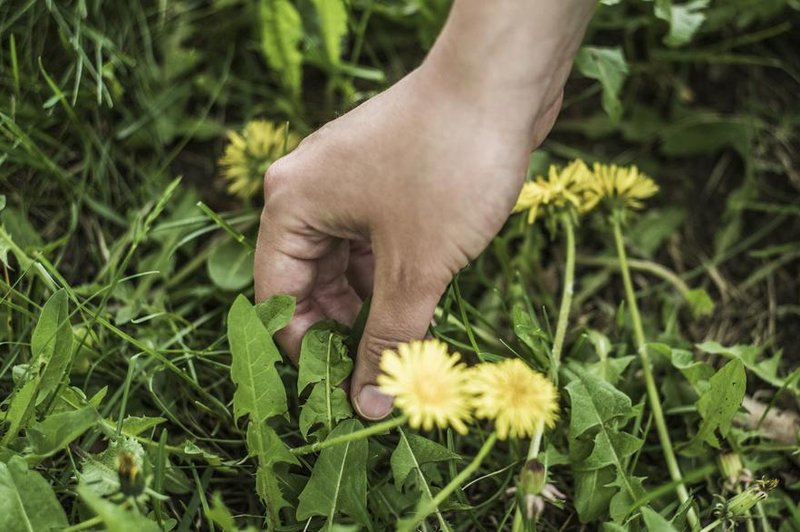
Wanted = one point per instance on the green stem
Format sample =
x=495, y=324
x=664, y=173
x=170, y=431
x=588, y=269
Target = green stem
x=377, y=428
x=85, y=525
x=712, y=526
x=566, y=298
x=533, y=452
x=652, y=390
x=433, y=504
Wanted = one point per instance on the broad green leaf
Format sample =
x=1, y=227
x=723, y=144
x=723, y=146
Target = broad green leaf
x=259, y=389
x=326, y=406
x=19, y=410
x=99, y=472
x=720, y=403
x=323, y=356
x=135, y=425
x=766, y=369
x=594, y=403
x=700, y=303
x=414, y=451
x=230, y=266
x=281, y=33
x=593, y=493
x=695, y=371
x=608, y=66
x=684, y=20
x=654, y=227
x=655, y=522
x=276, y=312
x=531, y=334
x=269, y=449
x=610, y=448
x=51, y=344
x=332, y=17
x=260, y=395
x=57, y=431
x=630, y=490
x=114, y=517
x=27, y=502
x=338, y=483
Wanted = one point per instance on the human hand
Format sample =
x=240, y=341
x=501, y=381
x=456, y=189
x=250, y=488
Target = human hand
x=393, y=198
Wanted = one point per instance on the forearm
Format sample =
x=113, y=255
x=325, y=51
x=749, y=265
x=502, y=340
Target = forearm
x=512, y=56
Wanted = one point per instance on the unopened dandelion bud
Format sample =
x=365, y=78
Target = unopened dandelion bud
x=741, y=504
x=532, y=477
x=730, y=465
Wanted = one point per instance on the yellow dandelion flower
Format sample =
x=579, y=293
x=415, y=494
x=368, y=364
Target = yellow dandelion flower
x=428, y=385
x=516, y=397
x=248, y=155
x=559, y=189
x=626, y=185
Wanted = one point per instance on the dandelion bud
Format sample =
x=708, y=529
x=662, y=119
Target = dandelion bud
x=730, y=465
x=741, y=504
x=532, y=478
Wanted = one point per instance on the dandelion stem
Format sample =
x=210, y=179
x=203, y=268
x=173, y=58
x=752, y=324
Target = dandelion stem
x=566, y=297
x=533, y=453
x=433, y=504
x=652, y=391
x=712, y=526
x=376, y=428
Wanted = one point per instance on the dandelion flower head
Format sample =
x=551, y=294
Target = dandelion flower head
x=624, y=184
x=249, y=153
x=560, y=188
x=428, y=385
x=516, y=397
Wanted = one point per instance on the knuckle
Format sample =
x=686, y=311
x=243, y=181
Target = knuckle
x=278, y=176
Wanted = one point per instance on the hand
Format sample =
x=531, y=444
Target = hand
x=390, y=200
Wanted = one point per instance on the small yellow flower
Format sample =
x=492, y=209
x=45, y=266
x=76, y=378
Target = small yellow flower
x=558, y=189
x=428, y=385
x=617, y=183
x=516, y=397
x=248, y=155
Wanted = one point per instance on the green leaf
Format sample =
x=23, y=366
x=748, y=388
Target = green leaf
x=608, y=66
x=135, y=425
x=595, y=402
x=323, y=356
x=332, y=17
x=99, y=472
x=654, y=227
x=338, y=482
x=700, y=303
x=695, y=371
x=57, y=431
x=531, y=334
x=597, y=412
x=51, y=344
x=593, y=493
x=684, y=20
x=27, y=502
x=281, y=32
x=230, y=266
x=610, y=448
x=655, y=522
x=114, y=517
x=414, y=451
x=260, y=395
x=276, y=312
x=720, y=403
x=19, y=410
x=326, y=406
x=766, y=369
x=259, y=389
x=221, y=515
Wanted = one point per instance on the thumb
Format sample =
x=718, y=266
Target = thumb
x=399, y=312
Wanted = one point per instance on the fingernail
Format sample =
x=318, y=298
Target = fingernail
x=373, y=404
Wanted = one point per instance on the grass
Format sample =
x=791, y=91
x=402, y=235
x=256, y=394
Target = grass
x=111, y=122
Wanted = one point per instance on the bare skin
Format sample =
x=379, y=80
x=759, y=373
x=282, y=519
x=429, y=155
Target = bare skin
x=393, y=198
